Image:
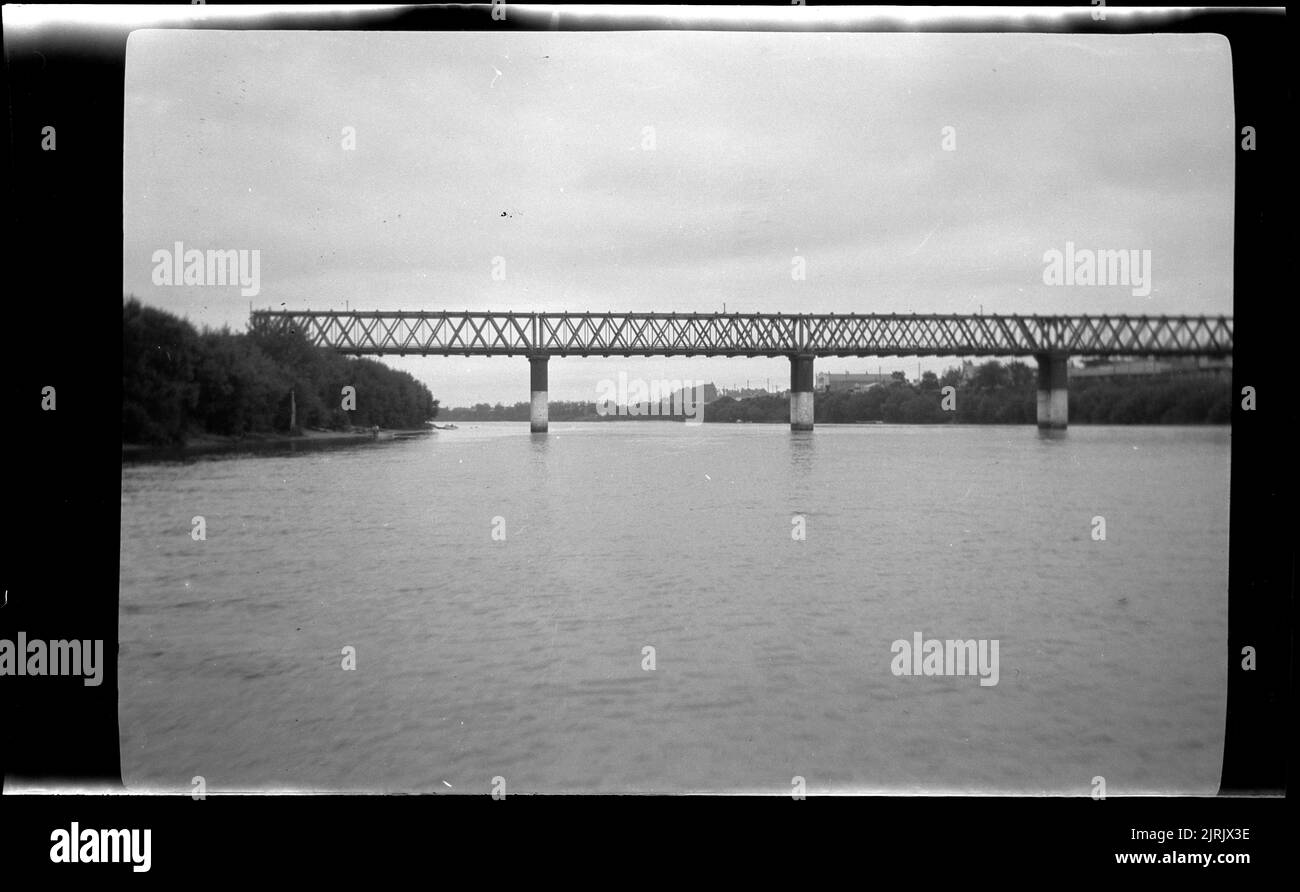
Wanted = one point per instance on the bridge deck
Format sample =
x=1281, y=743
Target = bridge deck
x=450, y=333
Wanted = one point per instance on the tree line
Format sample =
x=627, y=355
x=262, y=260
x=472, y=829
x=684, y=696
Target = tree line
x=994, y=393
x=179, y=382
x=556, y=410
x=997, y=393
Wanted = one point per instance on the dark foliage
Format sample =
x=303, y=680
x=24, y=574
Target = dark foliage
x=994, y=394
x=179, y=382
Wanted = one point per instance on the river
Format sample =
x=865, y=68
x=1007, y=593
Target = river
x=500, y=591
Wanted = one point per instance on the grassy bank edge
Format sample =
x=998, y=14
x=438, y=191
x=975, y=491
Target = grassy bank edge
x=256, y=443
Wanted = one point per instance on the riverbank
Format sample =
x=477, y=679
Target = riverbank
x=263, y=443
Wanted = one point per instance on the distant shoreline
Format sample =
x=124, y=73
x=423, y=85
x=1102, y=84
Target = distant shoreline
x=209, y=444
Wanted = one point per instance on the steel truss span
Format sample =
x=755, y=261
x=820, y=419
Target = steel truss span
x=450, y=333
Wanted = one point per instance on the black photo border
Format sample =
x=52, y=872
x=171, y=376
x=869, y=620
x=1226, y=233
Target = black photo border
x=64, y=500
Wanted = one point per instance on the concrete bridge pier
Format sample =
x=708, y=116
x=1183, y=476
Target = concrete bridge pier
x=537, y=377
x=801, y=392
x=1053, y=393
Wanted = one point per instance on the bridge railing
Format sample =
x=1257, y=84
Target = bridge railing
x=475, y=333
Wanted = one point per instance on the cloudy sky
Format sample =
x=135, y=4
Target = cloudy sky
x=676, y=171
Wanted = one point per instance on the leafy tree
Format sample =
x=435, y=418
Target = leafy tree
x=177, y=381
x=1021, y=375
x=991, y=375
x=159, y=390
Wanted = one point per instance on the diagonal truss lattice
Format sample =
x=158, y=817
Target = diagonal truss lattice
x=447, y=333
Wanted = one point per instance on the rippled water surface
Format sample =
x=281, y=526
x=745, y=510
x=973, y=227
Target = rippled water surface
x=523, y=658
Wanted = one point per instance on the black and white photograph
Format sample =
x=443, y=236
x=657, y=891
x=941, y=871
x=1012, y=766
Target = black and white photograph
x=891, y=574
x=767, y=411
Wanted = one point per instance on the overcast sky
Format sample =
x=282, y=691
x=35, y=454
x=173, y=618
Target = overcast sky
x=766, y=146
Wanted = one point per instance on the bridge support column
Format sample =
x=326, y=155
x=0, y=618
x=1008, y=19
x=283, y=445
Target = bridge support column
x=537, y=377
x=1053, y=393
x=801, y=393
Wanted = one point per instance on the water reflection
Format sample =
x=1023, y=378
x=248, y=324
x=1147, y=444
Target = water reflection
x=539, y=450
x=802, y=446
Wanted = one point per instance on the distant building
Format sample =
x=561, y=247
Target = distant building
x=1176, y=365
x=829, y=382
x=744, y=393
